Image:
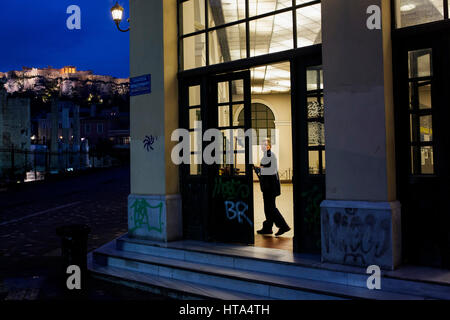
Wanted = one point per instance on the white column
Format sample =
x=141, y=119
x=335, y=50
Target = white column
x=361, y=217
x=154, y=205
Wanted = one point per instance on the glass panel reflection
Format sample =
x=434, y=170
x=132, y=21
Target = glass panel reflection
x=194, y=115
x=309, y=28
x=194, y=52
x=420, y=63
x=193, y=16
x=223, y=92
x=194, y=96
x=315, y=108
x=225, y=11
x=227, y=44
x=271, y=34
x=414, y=12
x=426, y=129
x=313, y=157
x=259, y=7
x=224, y=116
x=427, y=161
x=316, y=134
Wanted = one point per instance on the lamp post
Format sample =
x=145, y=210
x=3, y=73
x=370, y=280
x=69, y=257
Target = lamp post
x=117, y=15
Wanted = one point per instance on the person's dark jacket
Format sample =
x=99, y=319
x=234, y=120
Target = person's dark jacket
x=268, y=175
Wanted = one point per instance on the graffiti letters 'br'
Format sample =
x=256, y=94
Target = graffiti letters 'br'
x=141, y=216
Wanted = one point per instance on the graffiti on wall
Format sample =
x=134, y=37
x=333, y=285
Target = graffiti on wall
x=146, y=216
x=233, y=193
x=359, y=238
x=148, y=142
x=230, y=190
x=236, y=210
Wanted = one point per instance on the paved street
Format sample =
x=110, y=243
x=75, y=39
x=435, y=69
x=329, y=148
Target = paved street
x=30, y=214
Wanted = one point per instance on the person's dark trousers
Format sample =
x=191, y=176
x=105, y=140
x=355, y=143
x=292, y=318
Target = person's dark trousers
x=273, y=215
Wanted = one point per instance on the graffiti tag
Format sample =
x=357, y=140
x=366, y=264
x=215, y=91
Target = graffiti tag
x=236, y=210
x=230, y=190
x=149, y=141
x=141, y=217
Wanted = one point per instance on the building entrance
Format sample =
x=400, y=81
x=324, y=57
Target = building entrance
x=280, y=100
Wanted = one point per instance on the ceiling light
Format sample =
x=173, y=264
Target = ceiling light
x=407, y=7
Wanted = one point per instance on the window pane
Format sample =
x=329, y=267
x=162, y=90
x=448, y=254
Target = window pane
x=238, y=89
x=316, y=134
x=194, y=96
x=195, y=169
x=323, y=162
x=414, y=12
x=224, y=116
x=196, y=141
x=314, y=78
x=227, y=44
x=425, y=96
x=315, y=109
x=238, y=108
x=194, y=52
x=194, y=115
x=193, y=16
x=426, y=129
x=420, y=95
x=313, y=159
x=427, y=161
x=258, y=7
x=271, y=34
x=225, y=11
x=420, y=63
x=223, y=92
x=309, y=29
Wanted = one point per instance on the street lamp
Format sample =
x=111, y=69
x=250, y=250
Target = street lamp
x=117, y=14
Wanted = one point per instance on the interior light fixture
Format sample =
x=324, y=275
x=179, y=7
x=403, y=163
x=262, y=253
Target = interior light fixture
x=407, y=7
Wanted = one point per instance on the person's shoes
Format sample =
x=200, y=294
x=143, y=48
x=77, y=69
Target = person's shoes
x=282, y=230
x=264, y=231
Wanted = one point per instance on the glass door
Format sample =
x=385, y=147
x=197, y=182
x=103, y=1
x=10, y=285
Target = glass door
x=422, y=79
x=230, y=174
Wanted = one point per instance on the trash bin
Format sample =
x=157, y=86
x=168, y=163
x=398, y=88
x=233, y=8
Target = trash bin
x=74, y=248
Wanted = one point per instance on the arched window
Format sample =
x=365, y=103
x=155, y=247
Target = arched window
x=262, y=118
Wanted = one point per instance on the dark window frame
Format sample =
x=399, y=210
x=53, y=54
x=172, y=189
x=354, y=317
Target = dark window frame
x=268, y=111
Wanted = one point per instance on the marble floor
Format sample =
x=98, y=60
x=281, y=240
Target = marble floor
x=285, y=203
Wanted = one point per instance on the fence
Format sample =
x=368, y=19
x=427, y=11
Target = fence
x=24, y=166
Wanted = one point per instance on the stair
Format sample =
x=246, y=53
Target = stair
x=197, y=270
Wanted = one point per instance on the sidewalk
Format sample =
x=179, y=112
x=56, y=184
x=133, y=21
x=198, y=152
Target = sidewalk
x=41, y=279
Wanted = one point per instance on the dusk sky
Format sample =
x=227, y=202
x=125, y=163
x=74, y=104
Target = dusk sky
x=34, y=34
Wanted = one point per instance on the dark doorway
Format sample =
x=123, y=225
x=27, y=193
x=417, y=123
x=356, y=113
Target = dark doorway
x=422, y=82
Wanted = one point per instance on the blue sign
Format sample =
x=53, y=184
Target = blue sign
x=141, y=85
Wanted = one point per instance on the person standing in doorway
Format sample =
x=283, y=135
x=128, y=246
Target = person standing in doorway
x=270, y=187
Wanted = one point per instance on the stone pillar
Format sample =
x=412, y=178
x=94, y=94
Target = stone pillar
x=154, y=205
x=361, y=220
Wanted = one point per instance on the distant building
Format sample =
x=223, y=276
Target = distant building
x=15, y=128
x=68, y=79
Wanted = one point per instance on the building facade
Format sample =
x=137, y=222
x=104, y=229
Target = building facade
x=356, y=91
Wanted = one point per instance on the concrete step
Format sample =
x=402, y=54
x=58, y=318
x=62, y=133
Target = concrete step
x=165, y=286
x=270, y=286
x=291, y=265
